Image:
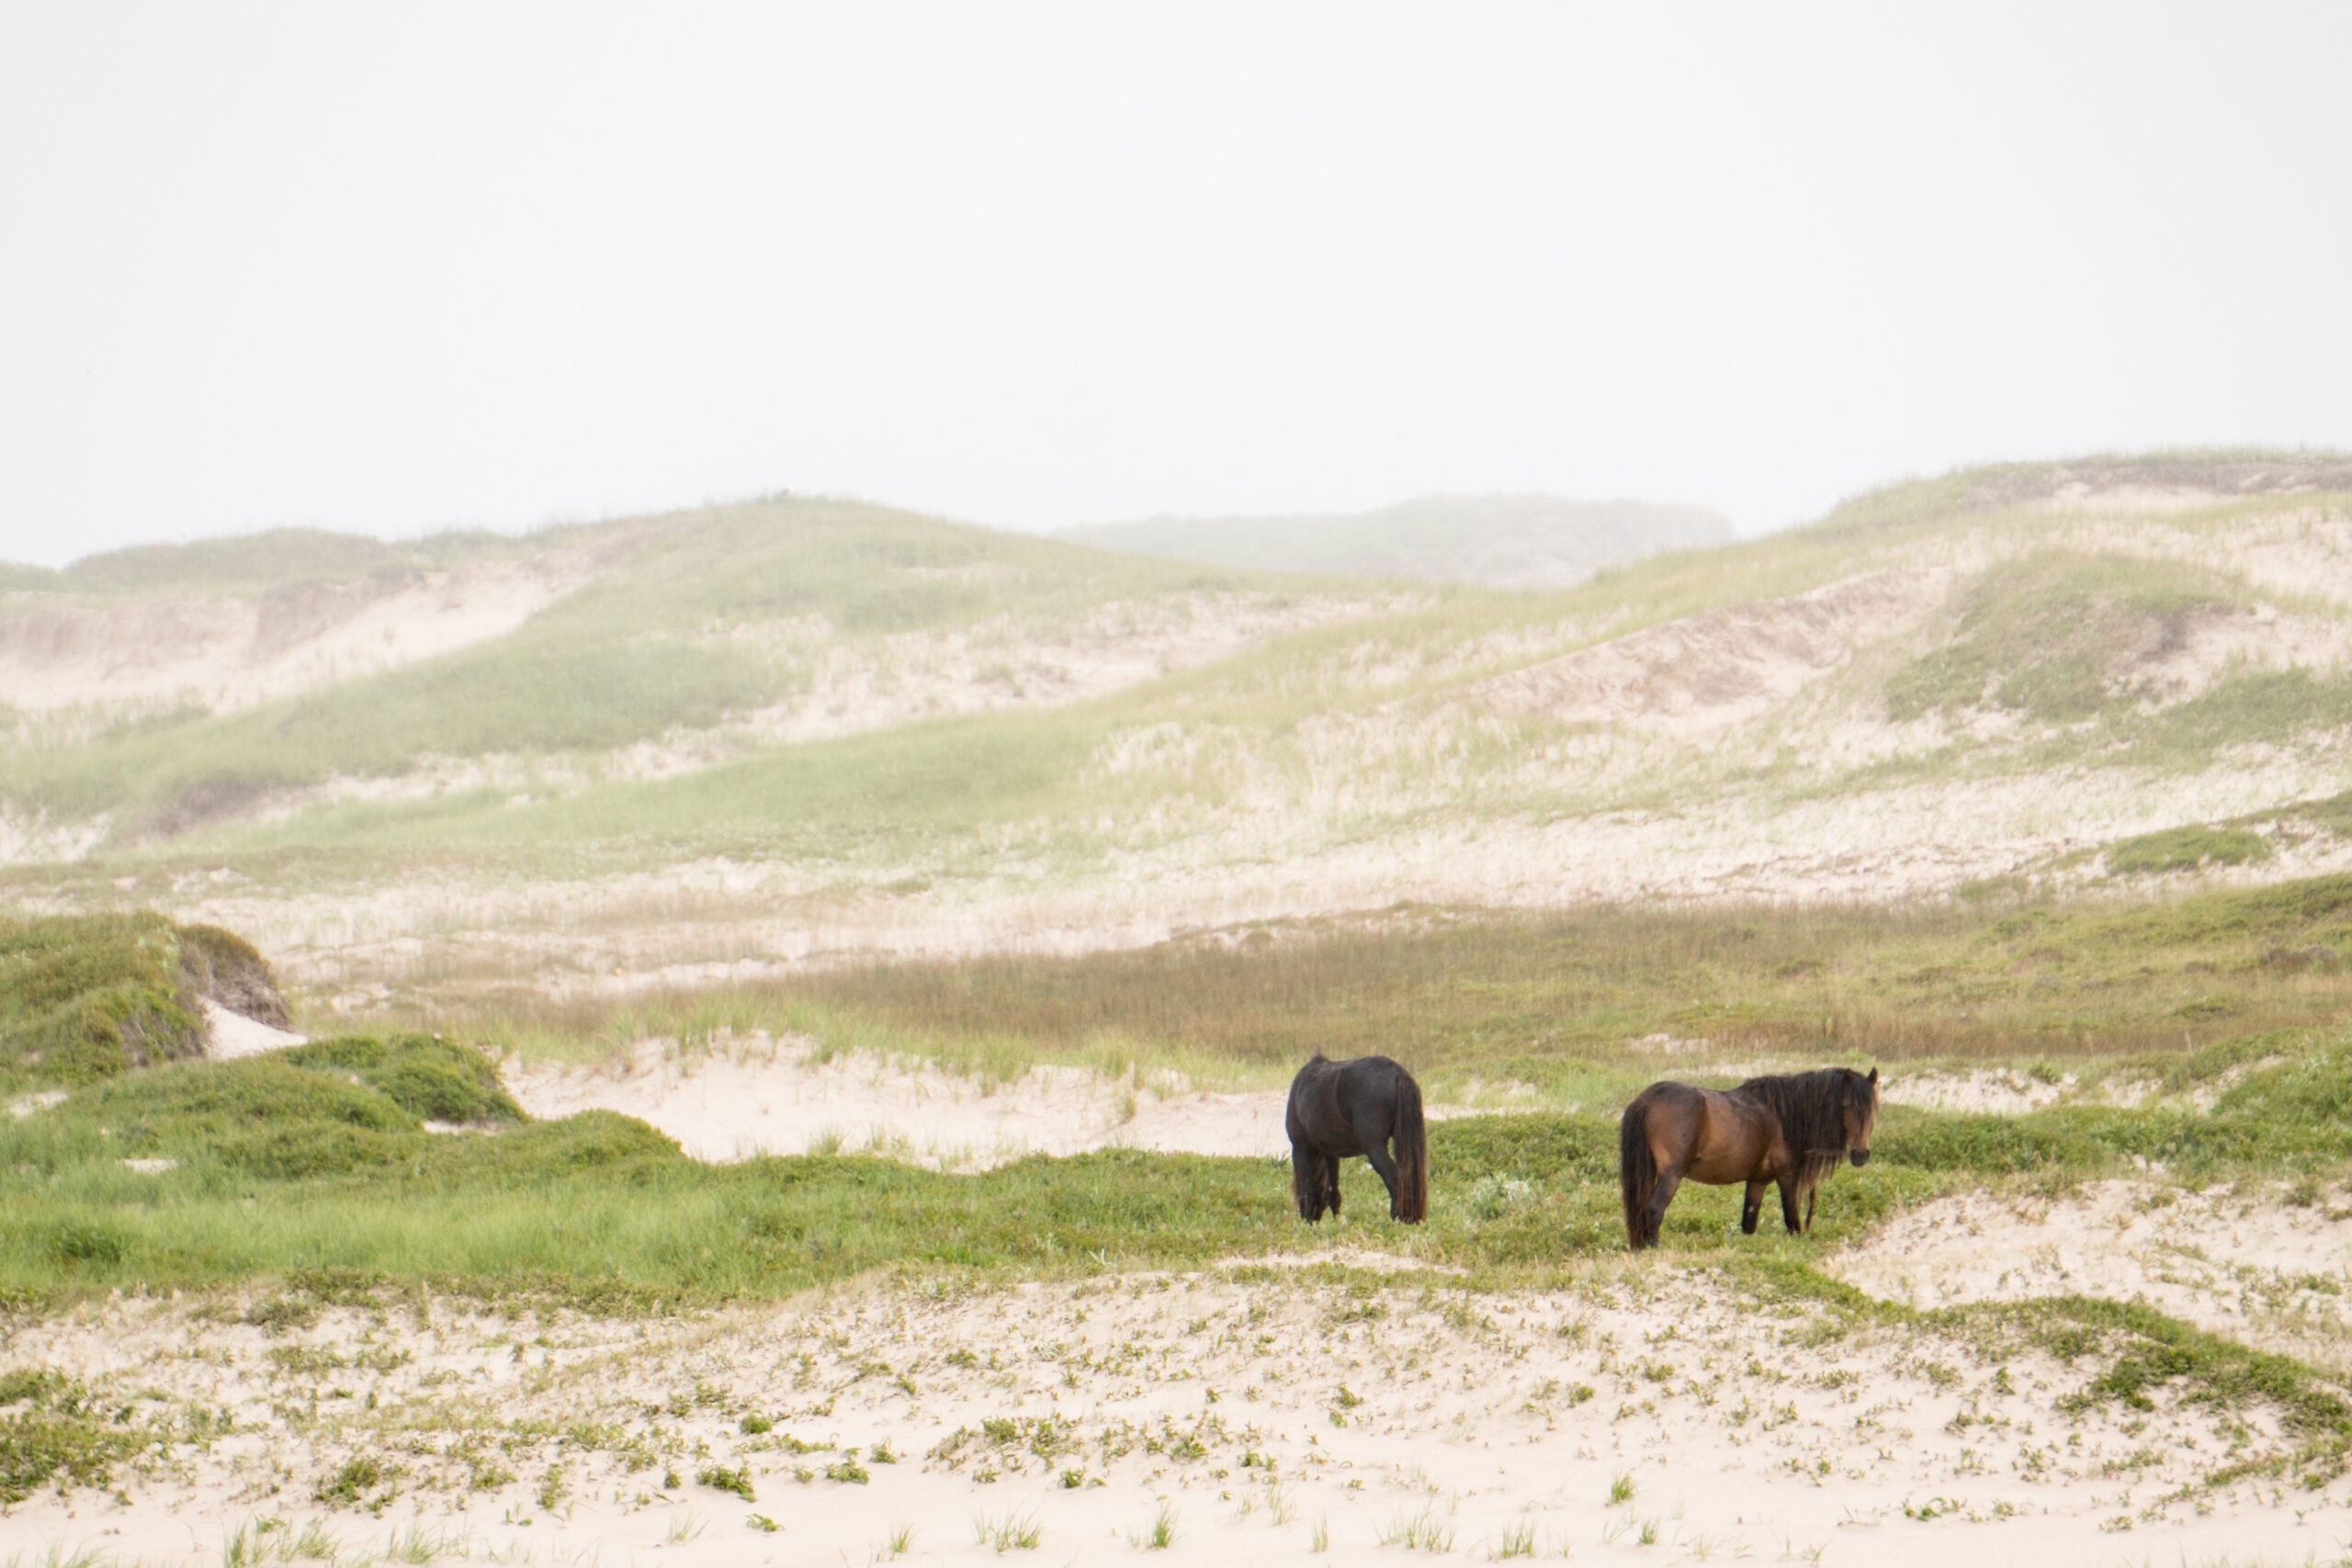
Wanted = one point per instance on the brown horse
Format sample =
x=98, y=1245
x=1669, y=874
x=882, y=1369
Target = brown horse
x=1339, y=1109
x=1789, y=1130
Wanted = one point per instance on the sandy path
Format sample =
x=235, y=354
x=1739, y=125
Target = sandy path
x=1262, y=1412
x=760, y=1095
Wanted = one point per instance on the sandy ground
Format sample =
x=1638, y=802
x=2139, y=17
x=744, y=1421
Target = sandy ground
x=759, y=1095
x=228, y=653
x=2265, y=1266
x=1267, y=1416
x=233, y=1034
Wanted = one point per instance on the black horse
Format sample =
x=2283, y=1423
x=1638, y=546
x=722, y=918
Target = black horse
x=1341, y=1108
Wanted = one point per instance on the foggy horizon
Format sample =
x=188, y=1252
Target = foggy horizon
x=396, y=273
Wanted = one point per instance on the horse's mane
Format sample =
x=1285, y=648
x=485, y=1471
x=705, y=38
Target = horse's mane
x=1811, y=1108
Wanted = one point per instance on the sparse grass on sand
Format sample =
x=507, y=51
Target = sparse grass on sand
x=2179, y=989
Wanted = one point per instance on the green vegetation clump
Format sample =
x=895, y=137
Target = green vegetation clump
x=89, y=997
x=2188, y=849
x=2050, y=636
x=720, y=1478
x=433, y=1080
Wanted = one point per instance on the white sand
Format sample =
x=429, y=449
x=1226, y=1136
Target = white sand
x=2246, y=1262
x=1985, y=1092
x=232, y=1035
x=1256, y=1411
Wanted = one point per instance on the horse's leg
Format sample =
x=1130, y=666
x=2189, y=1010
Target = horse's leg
x=1753, y=1207
x=1789, y=1205
x=1669, y=1177
x=1306, y=1181
x=1388, y=1168
x=1330, y=1173
x=1371, y=1135
x=1810, y=1194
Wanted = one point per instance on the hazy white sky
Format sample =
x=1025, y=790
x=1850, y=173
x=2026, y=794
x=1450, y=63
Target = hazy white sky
x=402, y=266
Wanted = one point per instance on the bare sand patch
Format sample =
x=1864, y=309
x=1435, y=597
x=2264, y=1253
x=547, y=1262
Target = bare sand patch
x=1264, y=1419
x=756, y=1095
x=2216, y=645
x=231, y=1034
x=2243, y=1260
x=1985, y=1092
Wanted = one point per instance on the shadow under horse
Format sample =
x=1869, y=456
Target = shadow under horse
x=1792, y=1129
x=1338, y=1109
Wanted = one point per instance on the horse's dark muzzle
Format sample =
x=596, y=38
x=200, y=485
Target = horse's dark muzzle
x=1860, y=1156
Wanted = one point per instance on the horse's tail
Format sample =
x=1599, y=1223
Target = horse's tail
x=1306, y=1182
x=1637, y=1174
x=1412, y=1153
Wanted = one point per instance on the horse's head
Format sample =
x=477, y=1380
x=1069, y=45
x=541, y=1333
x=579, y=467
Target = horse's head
x=1860, y=1109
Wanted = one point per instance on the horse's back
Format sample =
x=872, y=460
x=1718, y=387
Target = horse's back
x=1327, y=1101
x=1713, y=1135
x=1667, y=1095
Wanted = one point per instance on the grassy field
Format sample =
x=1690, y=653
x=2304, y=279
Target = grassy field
x=2238, y=994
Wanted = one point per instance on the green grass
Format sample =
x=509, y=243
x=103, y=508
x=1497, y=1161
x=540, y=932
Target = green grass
x=51, y=1430
x=329, y=1137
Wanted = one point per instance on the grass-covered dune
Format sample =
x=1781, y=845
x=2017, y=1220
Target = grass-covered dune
x=90, y=998
x=755, y=732
x=636, y=629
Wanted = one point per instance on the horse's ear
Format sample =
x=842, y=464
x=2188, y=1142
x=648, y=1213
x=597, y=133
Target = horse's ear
x=1874, y=1075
